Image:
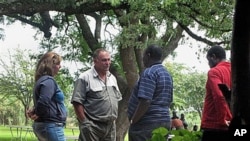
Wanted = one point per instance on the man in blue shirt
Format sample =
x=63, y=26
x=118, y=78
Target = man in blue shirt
x=150, y=100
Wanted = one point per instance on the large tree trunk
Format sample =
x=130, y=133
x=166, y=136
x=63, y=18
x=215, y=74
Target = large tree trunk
x=241, y=64
x=122, y=123
x=131, y=74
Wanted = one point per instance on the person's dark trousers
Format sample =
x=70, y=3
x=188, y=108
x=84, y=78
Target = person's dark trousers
x=215, y=135
x=139, y=132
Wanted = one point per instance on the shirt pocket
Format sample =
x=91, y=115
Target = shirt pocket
x=96, y=93
x=117, y=93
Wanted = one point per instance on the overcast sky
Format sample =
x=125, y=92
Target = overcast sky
x=22, y=37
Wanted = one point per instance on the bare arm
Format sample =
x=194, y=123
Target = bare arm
x=79, y=111
x=140, y=110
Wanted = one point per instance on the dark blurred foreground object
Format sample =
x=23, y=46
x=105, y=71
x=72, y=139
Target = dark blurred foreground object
x=240, y=59
x=226, y=93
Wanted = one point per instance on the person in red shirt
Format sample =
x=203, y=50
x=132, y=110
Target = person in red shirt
x=216, y=114
x=176, y=124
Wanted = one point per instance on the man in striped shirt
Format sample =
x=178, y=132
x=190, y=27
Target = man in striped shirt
x=150, y=100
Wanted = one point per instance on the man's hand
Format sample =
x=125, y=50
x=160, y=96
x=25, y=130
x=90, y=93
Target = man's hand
x=227, y=122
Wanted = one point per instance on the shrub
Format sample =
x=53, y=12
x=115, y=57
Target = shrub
x=161, y=134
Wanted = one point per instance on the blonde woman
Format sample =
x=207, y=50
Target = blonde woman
x=49, y=112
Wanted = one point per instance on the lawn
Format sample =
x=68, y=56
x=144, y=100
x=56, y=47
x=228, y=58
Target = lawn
x=5, y=134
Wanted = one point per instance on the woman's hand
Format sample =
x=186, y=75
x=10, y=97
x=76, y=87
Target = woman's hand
x=31, y=114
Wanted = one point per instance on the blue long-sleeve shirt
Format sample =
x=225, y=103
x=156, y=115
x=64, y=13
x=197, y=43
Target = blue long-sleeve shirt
x=49, y=101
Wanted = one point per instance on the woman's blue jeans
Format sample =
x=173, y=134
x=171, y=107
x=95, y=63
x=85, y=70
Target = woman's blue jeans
x=49, y=131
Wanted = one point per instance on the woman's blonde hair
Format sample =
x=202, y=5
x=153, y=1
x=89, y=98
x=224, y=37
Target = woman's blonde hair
x=45, y=64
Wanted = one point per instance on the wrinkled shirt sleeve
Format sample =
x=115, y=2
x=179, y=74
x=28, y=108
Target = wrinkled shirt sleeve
x=46, y=92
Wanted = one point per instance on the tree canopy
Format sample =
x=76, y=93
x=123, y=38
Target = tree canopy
x=124, y=27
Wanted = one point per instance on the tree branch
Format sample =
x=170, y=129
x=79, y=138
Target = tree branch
x=20, y=7
x=199, y=38
x=172, y=41
x=86, y=32
x=98, y=25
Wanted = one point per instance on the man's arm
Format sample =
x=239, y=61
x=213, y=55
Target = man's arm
x=79, y=111
x=141, y=109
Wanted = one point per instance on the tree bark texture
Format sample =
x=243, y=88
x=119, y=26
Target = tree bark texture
x=240, y=53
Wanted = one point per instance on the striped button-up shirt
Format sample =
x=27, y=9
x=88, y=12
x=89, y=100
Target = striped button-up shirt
x=156, y=85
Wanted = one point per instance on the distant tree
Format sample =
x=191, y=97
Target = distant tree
x=10, y=109
x=17, y=77
x=189, y=89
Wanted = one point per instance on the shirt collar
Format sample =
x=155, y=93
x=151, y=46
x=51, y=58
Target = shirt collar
x=95, y=74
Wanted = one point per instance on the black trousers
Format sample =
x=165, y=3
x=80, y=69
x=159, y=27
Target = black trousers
x=215, y=135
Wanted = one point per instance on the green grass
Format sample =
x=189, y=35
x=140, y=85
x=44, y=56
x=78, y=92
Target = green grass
x=126, y=137
x=5, y=134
